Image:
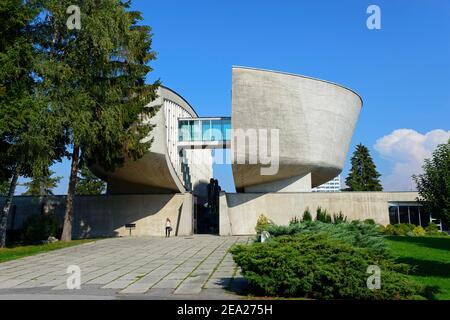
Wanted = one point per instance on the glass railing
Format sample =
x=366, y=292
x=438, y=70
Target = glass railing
x=204, y=129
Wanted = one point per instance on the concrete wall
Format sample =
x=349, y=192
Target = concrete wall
x=106, y=215
x=240, y=211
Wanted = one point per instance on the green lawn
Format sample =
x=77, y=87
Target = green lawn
x=431, y=258
x=17, y=252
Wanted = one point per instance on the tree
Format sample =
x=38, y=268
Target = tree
x=94, y=78
x=42, y=185
x=27, y=140
x=363, y=175
x=434, y=184
x=88, y=183
x=4, y=187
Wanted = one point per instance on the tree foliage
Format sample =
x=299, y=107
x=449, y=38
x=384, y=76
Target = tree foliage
x=94, y=79
x=434, y=184
x=4, y=188
x=28, y=140
x=42, y=185
x=88, y=183
x=363, y=175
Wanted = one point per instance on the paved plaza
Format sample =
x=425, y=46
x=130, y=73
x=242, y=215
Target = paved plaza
x=195, y=267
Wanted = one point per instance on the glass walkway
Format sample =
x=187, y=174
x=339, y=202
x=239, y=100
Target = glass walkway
x=204, y=132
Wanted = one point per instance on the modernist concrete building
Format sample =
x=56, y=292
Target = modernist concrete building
x=314, y=122
x=315, y=119
x=165, y=168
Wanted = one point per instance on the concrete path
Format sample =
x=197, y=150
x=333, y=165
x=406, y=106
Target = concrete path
x=196, y=267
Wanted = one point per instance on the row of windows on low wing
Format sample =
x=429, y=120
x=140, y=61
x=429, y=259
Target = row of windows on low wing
x=414, y=214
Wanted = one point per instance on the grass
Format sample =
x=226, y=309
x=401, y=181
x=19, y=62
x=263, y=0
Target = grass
x=17, y=252
x=431, y=258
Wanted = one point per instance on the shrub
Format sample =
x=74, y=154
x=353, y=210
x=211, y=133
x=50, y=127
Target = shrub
x=262, y=224
x=339, y=218
x=418, y=231
x=432, y=229
x=322, y=215
x=369, y=221
x=355, y=233
x=39, y=227
x=307, y=215
x=315, y=265
x=400, y=229
x=294, y=220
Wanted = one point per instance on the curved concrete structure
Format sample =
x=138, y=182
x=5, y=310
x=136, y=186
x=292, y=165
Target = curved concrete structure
x=315, y=118
x=160, y=170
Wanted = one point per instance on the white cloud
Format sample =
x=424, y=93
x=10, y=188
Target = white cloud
x=407, y=149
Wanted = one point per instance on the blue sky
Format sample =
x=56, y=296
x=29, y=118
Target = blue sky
x=402, y=71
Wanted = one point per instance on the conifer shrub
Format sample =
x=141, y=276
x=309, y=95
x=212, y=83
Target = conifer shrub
x=356, y=233
x=307, y=215
x=317, y=265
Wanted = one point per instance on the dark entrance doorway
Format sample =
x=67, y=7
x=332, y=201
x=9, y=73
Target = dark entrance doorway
x=206, y=215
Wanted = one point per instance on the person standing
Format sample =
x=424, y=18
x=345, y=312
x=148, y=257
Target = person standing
x=168, y=227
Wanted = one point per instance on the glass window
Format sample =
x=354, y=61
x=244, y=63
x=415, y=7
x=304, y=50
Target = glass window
x=196, y=130
x=226, y=129
x=393, y=214
x=403, y=214
x=216, y=132
x=424, y=218
x=184, y=133
x=414, y=215
x=206, y=132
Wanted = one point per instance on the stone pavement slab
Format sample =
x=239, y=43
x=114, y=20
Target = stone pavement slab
x=196, y=267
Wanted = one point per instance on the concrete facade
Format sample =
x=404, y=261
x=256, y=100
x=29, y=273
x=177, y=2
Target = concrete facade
x=315, y=119
x=107, y=215
x=161, y=170
x=239, y=212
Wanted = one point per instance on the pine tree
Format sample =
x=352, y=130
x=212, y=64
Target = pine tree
x=94, y=78
x=88, y=183
x=363, y=175
x=434, y=184
x=42, y=185
x=28, y=141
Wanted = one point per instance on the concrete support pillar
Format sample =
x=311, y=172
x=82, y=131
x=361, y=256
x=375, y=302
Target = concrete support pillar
x=185, y=223
x=224, y=220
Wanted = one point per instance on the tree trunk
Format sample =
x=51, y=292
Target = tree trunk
x=67, y=227
x=7, y=207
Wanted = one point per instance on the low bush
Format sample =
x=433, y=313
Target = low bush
x=369, y=221
x=294, y=220
x=339, y=218
x=408, y=229
x=400, y=229
x=262, y=223
x=433, y=230
x=356, y=233
x=307, y=215
x=316, y=265
x=322, y=215
x=39, y=227
x=418, y=231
